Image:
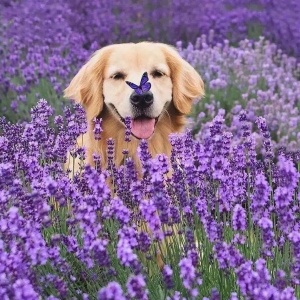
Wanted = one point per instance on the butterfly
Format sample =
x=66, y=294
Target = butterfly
x=143, y=87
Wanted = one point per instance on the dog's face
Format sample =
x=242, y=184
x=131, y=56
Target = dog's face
x=102, y=81
x=128, y=63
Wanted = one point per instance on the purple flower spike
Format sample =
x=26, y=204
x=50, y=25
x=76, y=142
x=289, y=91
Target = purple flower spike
x=190, y=277
x=168, y=277
x=239, y=218
x=97, y=128
x=128, y=125
x=136, y=287
x=113, y=291
x=294, y=237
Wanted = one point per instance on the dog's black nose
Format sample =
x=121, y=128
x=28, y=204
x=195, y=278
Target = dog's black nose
x=141, y=101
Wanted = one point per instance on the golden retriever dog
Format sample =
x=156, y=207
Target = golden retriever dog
x=100, y=86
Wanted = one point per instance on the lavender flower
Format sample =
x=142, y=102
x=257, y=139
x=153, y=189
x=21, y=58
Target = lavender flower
x=24, y=290
x=227, y=255
x=256, y=284
x=295, y=239
x=112, y=291
x=268, y=235
x=260, y=197
x=189, y=276
x=239, y=218
x=126, y=244
x=136, y=287
x=128, y=125
x=97, y=128
x=120, y=211
x=168, y=277
x=177, y=296
x=148, y=211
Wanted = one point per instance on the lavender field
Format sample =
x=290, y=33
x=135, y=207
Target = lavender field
x=230, y=211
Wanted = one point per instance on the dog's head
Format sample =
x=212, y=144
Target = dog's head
x=102, y=81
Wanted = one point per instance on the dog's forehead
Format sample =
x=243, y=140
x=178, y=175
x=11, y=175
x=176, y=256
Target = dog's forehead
x=135, y=57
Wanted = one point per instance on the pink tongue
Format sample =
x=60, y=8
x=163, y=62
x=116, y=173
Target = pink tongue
x=142, y=128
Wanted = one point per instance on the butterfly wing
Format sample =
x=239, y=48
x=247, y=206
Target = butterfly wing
x=144, y=79
x=132, y=85
x=146, y=87
x=139, y=91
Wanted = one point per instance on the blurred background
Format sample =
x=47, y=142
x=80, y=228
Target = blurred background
x=44, y=43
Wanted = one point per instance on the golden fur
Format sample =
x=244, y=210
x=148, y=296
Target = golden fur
x=96, y=89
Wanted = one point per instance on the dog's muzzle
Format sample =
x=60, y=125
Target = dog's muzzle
x=143, y=101
x=142, y=125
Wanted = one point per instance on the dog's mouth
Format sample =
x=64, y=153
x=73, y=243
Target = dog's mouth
x=142, y=127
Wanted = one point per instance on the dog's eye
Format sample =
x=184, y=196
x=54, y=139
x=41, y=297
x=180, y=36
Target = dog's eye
x=157, y=73
x=118, y=76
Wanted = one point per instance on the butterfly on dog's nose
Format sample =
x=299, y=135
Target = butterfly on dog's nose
x=143, y=87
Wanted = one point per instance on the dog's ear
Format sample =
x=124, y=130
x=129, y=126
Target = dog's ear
x=86, y=87
x=187, y=83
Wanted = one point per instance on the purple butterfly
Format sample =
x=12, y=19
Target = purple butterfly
x=143, y=87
